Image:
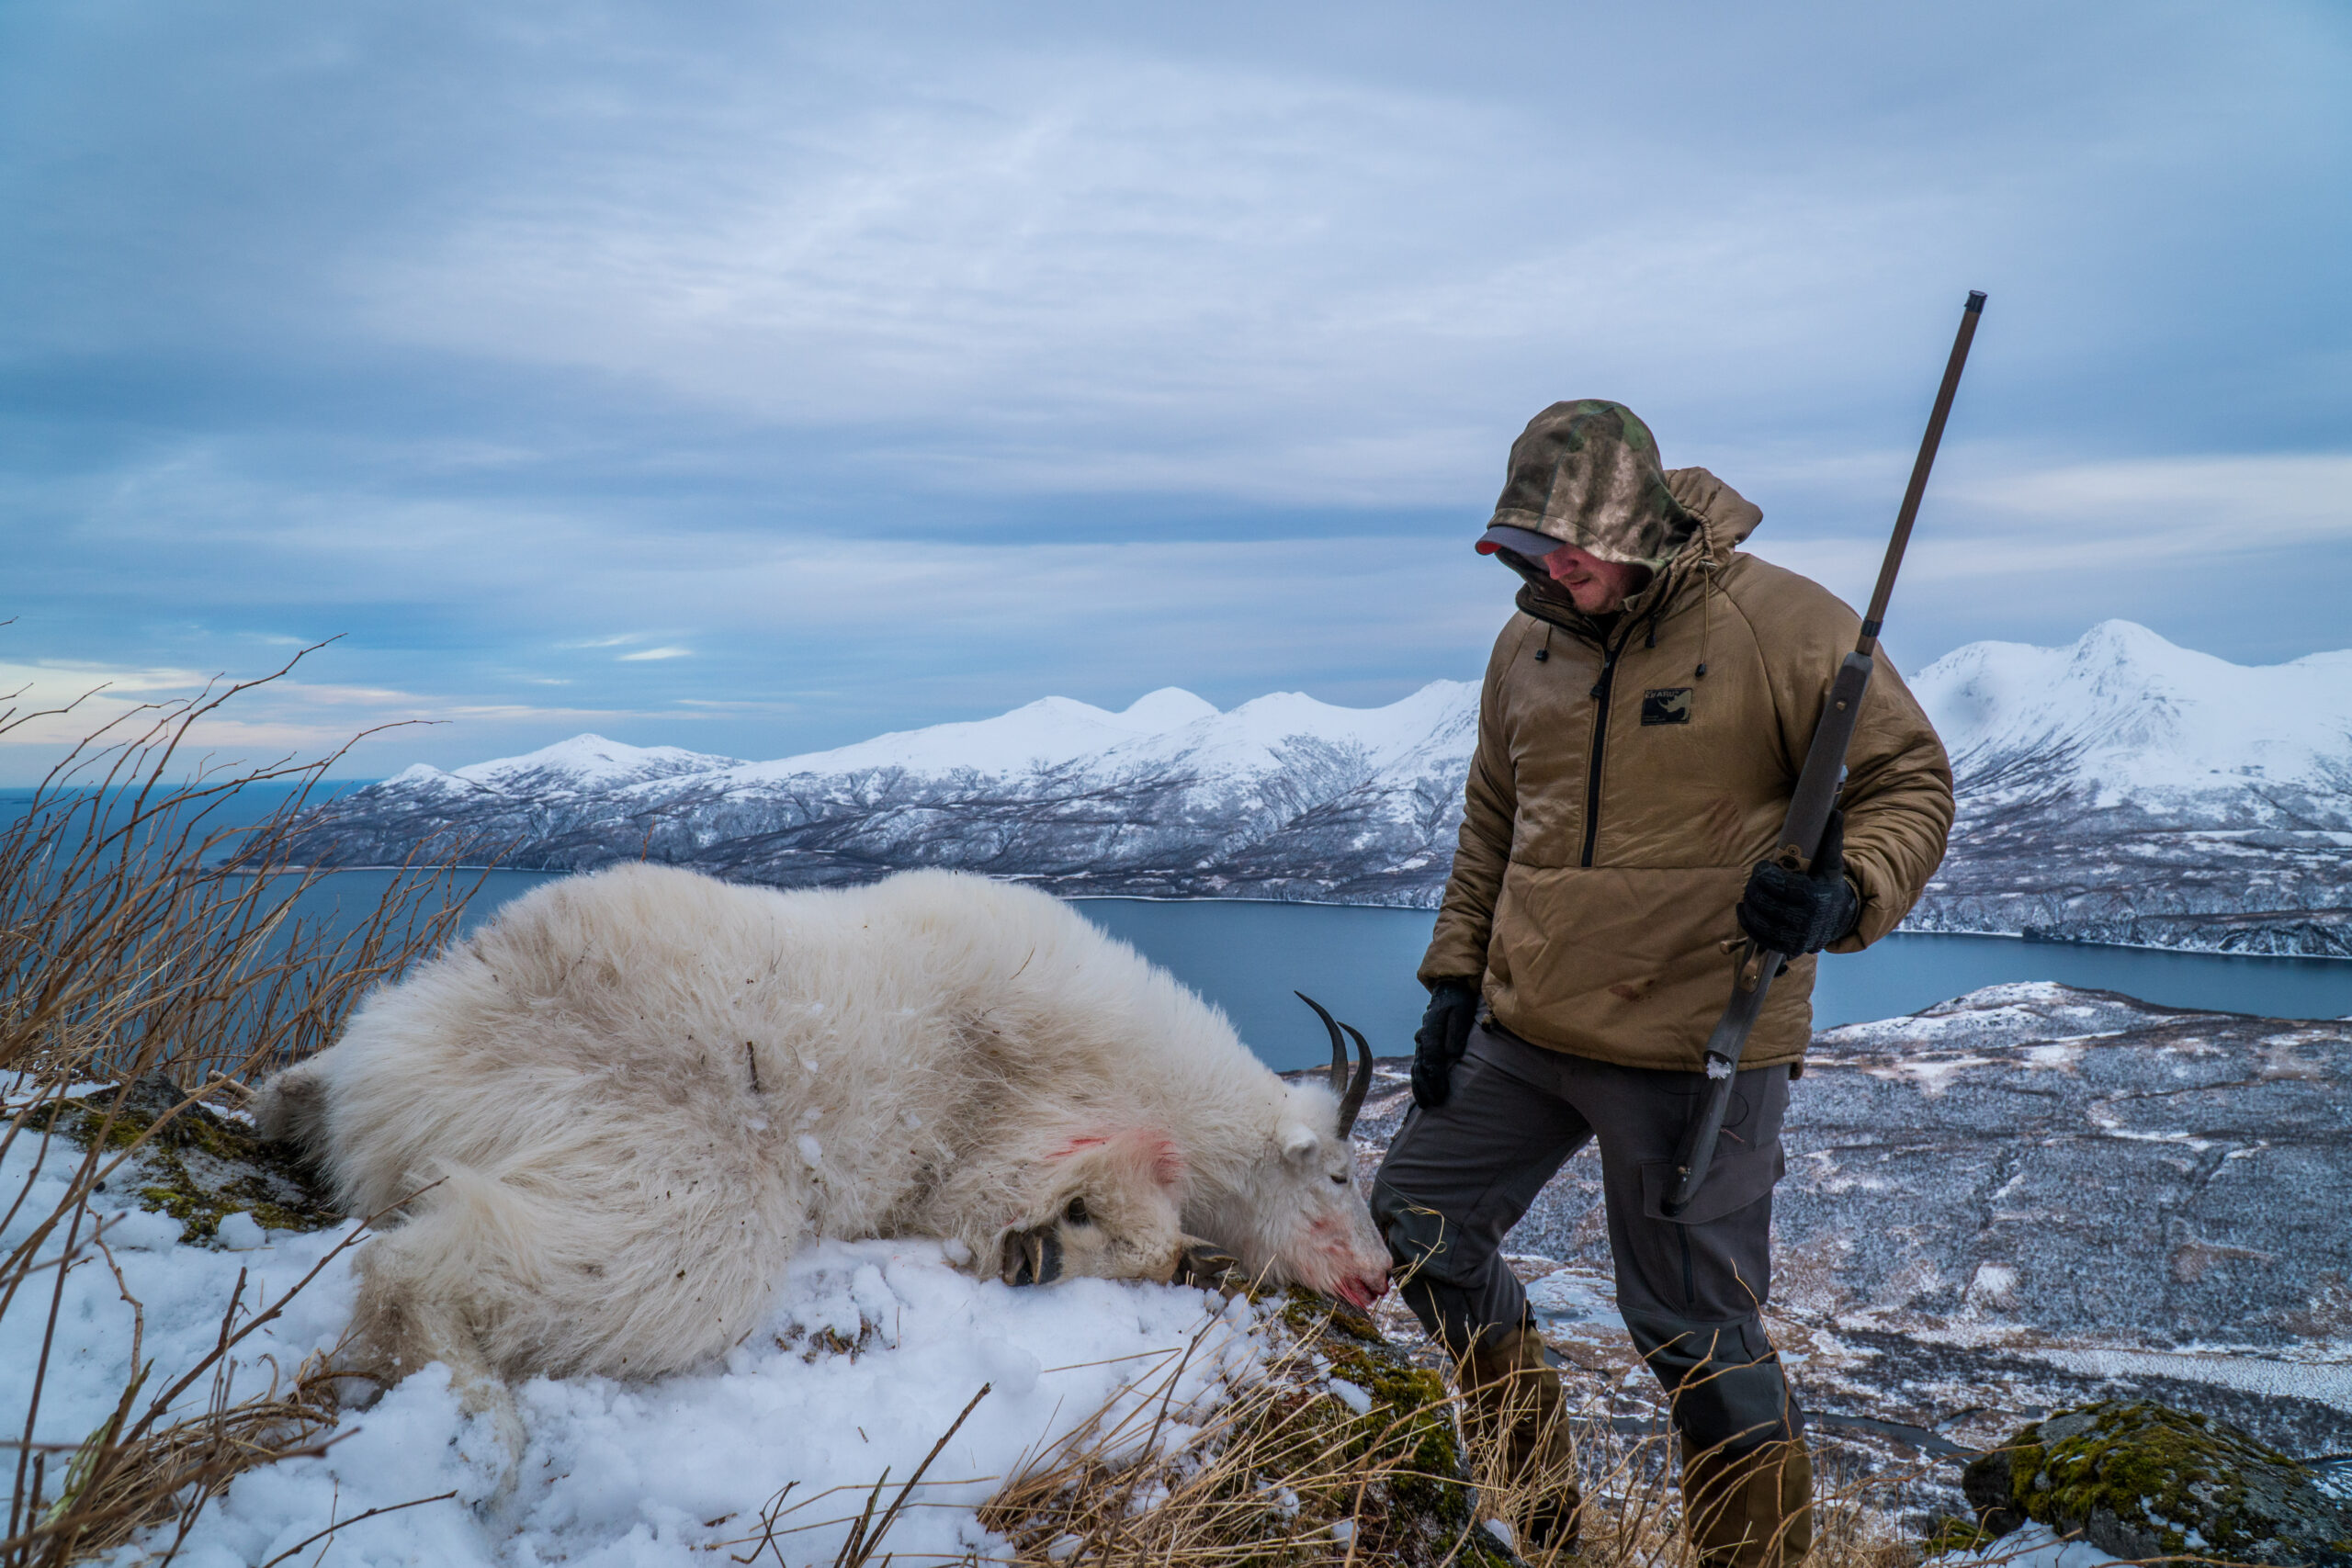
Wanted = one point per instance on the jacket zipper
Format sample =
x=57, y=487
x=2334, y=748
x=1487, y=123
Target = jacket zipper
x=1600, y=739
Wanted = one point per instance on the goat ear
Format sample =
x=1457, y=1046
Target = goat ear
x=1167, y=1160
x=1151, y=1146
x=1139, y=1146
x=1299, y=1142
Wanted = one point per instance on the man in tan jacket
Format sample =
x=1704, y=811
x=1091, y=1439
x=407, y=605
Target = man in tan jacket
x=1643, y=722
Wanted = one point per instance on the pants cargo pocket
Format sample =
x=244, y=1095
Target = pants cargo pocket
x=1736, y=1180
x=1714, y=1261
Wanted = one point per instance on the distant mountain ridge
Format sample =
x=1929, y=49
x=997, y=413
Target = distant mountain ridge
x=2127, y=790
x=2121, y=789
x=1284, y=797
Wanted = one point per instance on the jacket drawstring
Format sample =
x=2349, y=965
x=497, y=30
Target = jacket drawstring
x=1707, y=564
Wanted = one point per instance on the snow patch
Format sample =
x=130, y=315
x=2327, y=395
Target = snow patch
x=2326, y=1382
x=2035, y=1546
x=872, y=1350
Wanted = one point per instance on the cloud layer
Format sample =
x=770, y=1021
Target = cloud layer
x=756, y=383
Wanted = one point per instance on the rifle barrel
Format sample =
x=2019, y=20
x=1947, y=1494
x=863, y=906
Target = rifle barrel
x=1871, y=620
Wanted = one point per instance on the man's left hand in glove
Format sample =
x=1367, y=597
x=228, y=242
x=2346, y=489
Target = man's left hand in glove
x=1793, y=912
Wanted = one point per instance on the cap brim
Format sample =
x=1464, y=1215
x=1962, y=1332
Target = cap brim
x=1519, y=541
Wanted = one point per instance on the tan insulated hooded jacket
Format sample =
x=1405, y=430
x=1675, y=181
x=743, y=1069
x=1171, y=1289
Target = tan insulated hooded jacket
x=1618, y=799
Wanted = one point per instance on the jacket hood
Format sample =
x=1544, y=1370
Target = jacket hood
x=1722, y=519
x=1587, y=473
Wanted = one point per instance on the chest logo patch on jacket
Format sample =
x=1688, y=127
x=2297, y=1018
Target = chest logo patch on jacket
x=1666, y=704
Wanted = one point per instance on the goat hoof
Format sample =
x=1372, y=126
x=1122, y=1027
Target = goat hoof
x=1204, y=1267
x=1032, y=1256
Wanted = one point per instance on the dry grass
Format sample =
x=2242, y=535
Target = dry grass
x=1284, y=1472
x=1632, y=1513
x=149, y=924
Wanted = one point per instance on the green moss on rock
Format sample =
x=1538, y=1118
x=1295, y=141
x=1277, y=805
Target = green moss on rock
x=199, y=1167
x=1427, y=1508
x=2143, y=1481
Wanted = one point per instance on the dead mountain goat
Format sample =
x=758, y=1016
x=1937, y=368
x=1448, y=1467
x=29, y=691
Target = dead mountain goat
x=632, y=1095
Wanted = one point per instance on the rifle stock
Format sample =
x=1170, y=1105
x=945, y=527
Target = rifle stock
x=1817, y=787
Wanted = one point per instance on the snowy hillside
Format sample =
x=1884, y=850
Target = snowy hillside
x=2143, y=717
x=1283, y=797
x=2022, y=1200
x=2127, y=790
x=872, y=1350
x=1941, y=1278
x=2120, y=789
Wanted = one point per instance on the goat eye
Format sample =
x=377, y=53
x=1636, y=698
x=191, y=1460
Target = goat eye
x=1341, y=1180
x=1076, y=1213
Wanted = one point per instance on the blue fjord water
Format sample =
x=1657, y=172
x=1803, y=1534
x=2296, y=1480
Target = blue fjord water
x=1248, y=957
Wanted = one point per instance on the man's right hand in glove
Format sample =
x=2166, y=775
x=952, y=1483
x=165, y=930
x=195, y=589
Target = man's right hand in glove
x=1445, y=1035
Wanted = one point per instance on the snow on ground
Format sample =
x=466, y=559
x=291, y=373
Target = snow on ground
x=2036, y=1546
x=2329, y=1383
x=636, y=1474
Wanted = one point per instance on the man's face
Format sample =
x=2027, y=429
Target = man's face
x=1597, y=586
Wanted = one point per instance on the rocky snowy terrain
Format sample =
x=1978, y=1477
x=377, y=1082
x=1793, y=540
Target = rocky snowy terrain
x=2020, y=1201
x=2118, y=790
x=2024, y=1198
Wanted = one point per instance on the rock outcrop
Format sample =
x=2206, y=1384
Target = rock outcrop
x=2143, y=1481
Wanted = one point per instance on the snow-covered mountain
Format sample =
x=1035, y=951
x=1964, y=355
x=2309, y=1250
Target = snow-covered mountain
x=1283, y=797
x=2127, y=790
x=2145, y=719
x=2120, y=789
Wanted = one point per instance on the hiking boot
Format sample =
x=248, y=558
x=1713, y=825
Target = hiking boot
x=1750, y=1510
x=1511, y=1397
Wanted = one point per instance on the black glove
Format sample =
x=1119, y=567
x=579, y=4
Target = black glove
x=1791, y=912
x=1444, y=1035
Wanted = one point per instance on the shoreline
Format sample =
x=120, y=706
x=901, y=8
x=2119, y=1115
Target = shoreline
x=1419, y=909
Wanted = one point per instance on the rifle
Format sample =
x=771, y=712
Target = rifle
x=1818, y=787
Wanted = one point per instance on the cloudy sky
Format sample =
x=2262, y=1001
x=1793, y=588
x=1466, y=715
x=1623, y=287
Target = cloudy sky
x=756, y=378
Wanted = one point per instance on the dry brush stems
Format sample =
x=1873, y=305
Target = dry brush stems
x=1269, y=1473
x=150, y=924
x=1633, y=1514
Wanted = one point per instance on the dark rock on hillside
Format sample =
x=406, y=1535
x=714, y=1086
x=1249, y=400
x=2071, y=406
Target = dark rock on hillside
x=2042, y=851
x=2143, y=1481
x=1331, y=825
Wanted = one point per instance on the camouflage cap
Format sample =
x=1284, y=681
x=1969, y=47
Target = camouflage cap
x=1587, y=473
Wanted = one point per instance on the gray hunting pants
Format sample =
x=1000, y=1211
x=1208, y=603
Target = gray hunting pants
x=1457, y=1179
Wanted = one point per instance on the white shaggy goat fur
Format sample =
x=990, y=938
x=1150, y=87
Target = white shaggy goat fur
x=633, y=1094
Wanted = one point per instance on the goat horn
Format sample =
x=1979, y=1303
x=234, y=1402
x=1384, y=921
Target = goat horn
x=1352, y=1101
x=1350, y=1092
x=1338, y=1046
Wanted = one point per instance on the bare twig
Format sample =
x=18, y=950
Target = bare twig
x=357, y=1519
